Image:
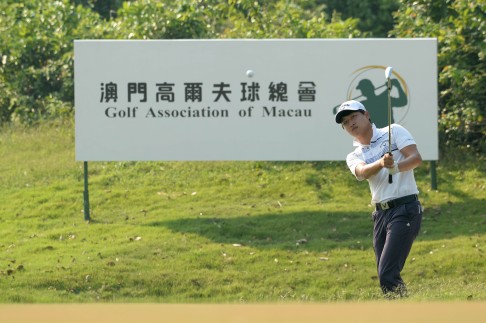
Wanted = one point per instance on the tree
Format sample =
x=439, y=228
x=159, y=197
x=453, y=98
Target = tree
x=36, y=46
x=460, y=28
x=149, y=19
x=375, y=16
x=105, y=8
x=284, y=19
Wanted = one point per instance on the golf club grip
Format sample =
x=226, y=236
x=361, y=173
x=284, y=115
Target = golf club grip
x=390, y=178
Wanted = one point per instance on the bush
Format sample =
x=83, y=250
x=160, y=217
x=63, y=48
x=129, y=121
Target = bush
x=37, y=50
x=460, y=28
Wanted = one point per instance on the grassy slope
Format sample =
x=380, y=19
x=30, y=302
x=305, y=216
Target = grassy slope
x=218, y=231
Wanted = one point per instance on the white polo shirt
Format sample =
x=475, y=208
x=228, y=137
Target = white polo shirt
x=403, y=182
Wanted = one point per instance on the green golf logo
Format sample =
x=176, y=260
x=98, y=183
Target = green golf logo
x=369, y=87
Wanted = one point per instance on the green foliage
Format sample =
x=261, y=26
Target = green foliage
x=105, y=8
x=148, y=19
x=375, y=16
x=284, y=19
x=460, y=28
x=36, y=45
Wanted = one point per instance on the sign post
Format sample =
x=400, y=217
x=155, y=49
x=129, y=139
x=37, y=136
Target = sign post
x=86, y=193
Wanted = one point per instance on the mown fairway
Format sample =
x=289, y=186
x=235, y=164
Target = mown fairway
x=219, y=232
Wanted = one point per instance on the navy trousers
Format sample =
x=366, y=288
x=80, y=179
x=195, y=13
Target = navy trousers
x=395, y=230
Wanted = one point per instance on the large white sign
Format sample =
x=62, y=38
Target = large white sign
x=246, y=99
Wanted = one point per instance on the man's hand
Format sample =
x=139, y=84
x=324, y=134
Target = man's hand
x=412, y=160
x=394, y=169
x=387, y=161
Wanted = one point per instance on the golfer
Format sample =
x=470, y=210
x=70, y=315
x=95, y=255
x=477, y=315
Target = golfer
x=398, y=214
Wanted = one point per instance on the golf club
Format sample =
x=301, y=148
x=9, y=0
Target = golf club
x=388, y=73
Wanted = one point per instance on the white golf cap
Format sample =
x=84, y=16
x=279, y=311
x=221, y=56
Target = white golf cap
x=350, y=105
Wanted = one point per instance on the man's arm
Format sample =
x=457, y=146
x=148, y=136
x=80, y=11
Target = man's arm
x=365, y=171
x=412, y=160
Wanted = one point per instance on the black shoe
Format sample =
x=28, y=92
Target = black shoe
x=398, y=292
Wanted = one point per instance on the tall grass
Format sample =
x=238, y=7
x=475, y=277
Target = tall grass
x=219, y=231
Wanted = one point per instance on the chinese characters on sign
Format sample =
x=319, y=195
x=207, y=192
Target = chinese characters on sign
x=193, y=92
x=139, y=92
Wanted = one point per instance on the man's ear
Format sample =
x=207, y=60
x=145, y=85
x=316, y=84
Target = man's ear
x=367, y=115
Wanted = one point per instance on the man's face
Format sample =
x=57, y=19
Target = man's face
x=356, y=123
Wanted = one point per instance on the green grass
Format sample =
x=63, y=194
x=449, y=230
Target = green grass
x=219, y=232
